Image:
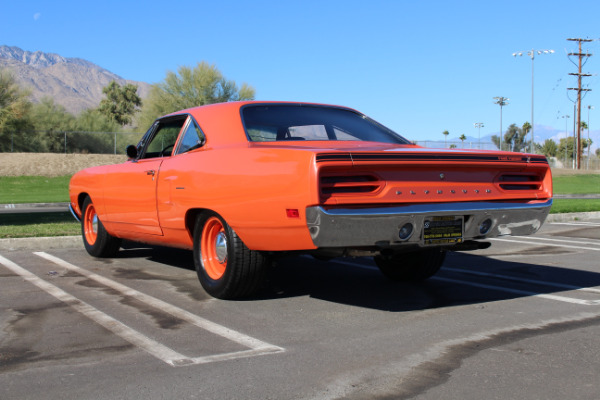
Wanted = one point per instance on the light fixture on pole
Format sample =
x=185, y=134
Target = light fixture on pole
x=501, y=101
x=531, y=53
x=479, y=125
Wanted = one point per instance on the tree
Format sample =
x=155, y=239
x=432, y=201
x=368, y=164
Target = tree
x=514, y=138
x=49, y=121
x=565, y=149
x=191, y=87
x=462, y=139
x=497, y=141
x=14, y=110
x=121, y=102
x=549, y=149
x=525, y=129
x=445, y=133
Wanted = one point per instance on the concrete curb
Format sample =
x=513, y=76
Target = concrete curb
x=568, y=217
x=35, y=206
x=41, y=243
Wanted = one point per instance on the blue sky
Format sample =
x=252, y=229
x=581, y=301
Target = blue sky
x=419, y=67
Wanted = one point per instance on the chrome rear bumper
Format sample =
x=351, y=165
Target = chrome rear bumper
x=357, y=227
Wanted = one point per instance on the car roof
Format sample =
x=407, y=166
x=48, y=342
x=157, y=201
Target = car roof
x=222, y=122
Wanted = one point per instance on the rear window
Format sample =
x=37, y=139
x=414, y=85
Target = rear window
x=269, y=123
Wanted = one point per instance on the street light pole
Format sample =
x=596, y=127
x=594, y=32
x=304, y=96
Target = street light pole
x=589, y=144
x=566, y=138
x=480, y=125
x=501, y=101
x=531, y=53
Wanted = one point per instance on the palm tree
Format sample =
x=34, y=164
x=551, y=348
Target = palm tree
x=462, y=139
x=524, y=131
x=584, y=126
x=445, y=133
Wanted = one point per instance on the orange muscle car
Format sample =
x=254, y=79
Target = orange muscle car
x=243, y=182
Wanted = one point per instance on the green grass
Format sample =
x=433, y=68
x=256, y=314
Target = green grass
x=574, y=205
x=40, y=189
x=576, y=184
x=38, y=225
x=34, y=189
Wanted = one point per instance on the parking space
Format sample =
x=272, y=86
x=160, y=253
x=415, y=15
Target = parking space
x=141, y=323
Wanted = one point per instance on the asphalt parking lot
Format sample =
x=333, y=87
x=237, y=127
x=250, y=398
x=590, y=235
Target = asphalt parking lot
x=518, y=320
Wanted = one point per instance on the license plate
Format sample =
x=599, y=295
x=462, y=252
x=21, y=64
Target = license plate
x=443, y=230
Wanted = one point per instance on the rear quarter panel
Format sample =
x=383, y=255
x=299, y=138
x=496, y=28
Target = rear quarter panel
x=251, y=188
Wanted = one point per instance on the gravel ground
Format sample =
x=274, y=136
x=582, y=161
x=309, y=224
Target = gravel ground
x=45, y=164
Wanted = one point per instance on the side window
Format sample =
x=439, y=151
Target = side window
x=164, y=139
x=193, y=138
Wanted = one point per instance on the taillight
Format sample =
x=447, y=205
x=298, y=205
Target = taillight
x=332, y=185
x=519, y=181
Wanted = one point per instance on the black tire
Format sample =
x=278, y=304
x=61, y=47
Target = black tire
x=414, y=266
x=226, y=268
x=97, y=241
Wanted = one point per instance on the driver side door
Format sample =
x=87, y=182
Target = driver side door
x=130, y=189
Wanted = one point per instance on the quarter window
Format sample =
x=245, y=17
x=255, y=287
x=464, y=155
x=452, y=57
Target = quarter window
x=193, y=138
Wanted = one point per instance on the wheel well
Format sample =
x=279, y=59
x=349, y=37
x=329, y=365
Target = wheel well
x=80, y=199
x=190, y=219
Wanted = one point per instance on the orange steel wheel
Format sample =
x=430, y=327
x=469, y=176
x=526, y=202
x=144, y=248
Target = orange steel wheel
x=90, y=225
x=214, y=248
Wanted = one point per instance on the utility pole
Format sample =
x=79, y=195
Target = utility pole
x=579, y=75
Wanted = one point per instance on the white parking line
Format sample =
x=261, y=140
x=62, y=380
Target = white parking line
x=503, y=288
x=522, y=292
x=545, y=244
x=524, y=280
x=158, y=350
x=576, y=223
x=151, y=346
x=534, y=238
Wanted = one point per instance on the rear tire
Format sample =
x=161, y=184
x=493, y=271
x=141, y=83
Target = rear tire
x=97, y=241
x=226, y=268
x=415, y=266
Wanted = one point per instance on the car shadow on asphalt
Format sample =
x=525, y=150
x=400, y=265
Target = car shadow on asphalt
x=358, y=282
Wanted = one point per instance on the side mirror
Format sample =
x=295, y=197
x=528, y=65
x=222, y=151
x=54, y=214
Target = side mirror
x=132, y=152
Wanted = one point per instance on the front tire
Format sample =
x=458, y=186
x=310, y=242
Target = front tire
x=97, y=241
x=415, y=266
x=226, y=268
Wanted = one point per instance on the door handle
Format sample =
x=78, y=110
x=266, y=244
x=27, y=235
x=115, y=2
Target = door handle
x=150, y=172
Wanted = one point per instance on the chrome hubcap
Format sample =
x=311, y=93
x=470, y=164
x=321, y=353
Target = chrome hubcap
x=221, y=247
x=95, y=224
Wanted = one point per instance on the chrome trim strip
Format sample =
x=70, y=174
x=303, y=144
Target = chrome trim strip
x=73, y=213
x=352, y=227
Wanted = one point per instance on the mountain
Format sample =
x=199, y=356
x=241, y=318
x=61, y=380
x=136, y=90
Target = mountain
x=73, y=83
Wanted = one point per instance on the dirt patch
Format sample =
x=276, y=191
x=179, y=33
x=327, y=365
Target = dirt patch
x=569, y=172
x=46, y=164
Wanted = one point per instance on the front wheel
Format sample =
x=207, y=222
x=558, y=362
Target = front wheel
x=226, y=268
x=415, y=266
x=97, y=241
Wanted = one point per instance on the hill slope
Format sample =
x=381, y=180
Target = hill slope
x=73, y=83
